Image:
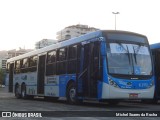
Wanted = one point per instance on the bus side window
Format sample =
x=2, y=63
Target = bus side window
x=62, y=54
x=24, y=65
x=78, y=57
x=51, y=57
x=33, y=63
x=72, y=59
x=17, y=67
x=61, y=60
x=51, y=63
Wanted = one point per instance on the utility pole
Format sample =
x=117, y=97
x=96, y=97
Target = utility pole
x=115, y=13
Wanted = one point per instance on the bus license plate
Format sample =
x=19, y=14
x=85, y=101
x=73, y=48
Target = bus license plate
x=133, y=95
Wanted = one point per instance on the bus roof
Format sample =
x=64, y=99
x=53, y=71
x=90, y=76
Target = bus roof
x=58, y=45
x=155, y=46
x=71, y=41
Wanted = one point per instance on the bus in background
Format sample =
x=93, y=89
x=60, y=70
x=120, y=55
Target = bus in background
x=155, y=48
x=105, y=65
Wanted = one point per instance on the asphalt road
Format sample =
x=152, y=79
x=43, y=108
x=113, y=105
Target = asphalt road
x=9, y=103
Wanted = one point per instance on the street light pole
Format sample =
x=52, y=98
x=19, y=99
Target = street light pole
x=115, y=13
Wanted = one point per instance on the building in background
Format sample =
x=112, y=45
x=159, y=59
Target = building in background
x=14, y=52
x=74, y=31
x=44, y=43
x=3, y=65
x=4, y=55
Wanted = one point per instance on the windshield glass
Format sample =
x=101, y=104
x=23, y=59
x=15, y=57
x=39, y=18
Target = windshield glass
x=129, y=59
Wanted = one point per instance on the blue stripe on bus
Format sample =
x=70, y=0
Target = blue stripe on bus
x=63, y=80
x=99, y=89
x=104, y=60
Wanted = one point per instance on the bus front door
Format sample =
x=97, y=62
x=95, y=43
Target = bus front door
x=41, y=74
x=89, y=72
x=11, y=68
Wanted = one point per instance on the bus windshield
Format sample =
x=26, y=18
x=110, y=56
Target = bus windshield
x=129, y=59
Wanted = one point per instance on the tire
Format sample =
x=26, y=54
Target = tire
x=71, y=95
x=23, y=92
x=17, y=92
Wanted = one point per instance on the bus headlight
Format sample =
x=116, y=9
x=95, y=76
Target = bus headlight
x=112, y=83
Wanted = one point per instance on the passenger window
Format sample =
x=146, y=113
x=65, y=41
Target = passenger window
x=72, y=52
x=62, y=61
x=33, y=61
x=25, y=63
x=62, y=54
x=51, y=57
x=17, y=67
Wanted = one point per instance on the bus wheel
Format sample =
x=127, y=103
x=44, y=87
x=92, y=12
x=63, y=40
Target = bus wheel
x=17, y=91
x=23, y=91
x=71, y=94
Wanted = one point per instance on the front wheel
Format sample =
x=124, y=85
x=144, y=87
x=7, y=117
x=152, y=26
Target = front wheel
x=71, y=95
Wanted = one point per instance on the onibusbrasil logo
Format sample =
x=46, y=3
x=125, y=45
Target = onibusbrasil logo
x=21, y=114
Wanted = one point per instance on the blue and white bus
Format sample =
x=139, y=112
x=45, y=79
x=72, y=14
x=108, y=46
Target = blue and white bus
x=104, y=65
x=155, y=48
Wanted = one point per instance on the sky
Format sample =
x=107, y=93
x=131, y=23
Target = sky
x=24, y=22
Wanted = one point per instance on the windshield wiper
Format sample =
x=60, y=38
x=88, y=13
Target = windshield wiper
x=135, y=57
x=126, y=51
x=135, y=53
x=128, y=55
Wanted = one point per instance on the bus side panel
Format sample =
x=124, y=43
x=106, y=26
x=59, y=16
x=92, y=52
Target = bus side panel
x=55, y=86
x=30, y=81
x=64, y=79
x=51, y=86
x=16, y=80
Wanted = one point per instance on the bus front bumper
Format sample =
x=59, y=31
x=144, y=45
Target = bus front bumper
x=110, y=92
